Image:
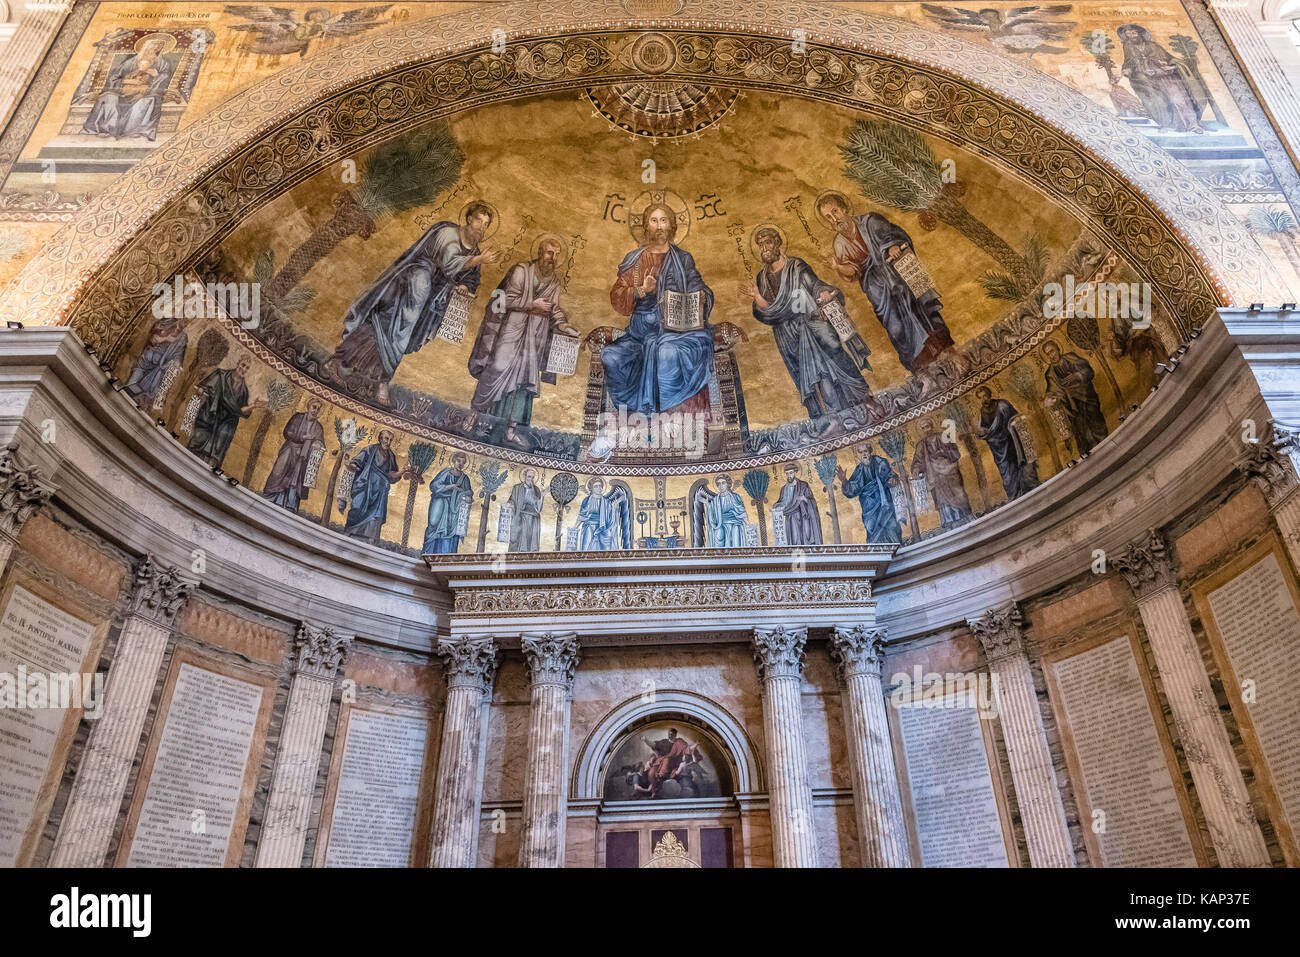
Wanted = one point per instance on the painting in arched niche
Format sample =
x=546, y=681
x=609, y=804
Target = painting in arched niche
x=667, y=760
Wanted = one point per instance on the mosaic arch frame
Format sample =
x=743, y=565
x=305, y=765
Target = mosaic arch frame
x=163, y=215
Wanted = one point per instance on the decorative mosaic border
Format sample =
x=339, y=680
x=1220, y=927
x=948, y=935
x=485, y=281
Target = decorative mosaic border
x=175, y=202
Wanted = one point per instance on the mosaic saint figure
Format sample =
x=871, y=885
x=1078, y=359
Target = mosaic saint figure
x=1167, y=89
x=649, y=368
x=509, y=353
x=866, y=248
x=603, y=519
x=526, y=500
x=939, y=463
x=451, y=491
x=166, y=346
x=375, y=471
x=1019, y=472
x=132, y=99
x=1069, y=387
x=725, y=516
x=225, y=402
x=403, y=309
x=803, y=523
x=286, y=485
x=786, y=294
x=870, y=485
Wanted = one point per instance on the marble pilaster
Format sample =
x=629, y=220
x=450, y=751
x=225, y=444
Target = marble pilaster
x=87, y=827
x=1047, y=835
x=318, y=654
x=1216, y=775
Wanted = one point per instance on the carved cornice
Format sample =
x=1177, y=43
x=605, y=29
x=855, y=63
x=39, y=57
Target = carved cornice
x=1146, y=565
x=1271, y=463
x=779, y=651
x=159, y=592
x=666, y=596
x=319, y=652
x=552, y=659
x=857, y=650
x=999, y=632
x=469, y=662
x=23, y=490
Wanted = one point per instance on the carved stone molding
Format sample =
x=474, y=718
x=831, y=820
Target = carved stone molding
x=552, y=659
x=999, y=632
x=159, y=592
x=1146, y=565
x=23, y=490
x=857, y=649
x=779, y=651
x=319, y=652
x=661, y=597
x=1271, y=463
x=469, y=662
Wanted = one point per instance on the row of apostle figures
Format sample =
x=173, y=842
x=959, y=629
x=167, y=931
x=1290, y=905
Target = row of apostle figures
x=656, y=364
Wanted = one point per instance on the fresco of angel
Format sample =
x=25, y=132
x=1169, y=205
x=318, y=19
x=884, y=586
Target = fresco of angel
x=721, y=515
x=276, y=31
x=604, y=519
x=1022, y=31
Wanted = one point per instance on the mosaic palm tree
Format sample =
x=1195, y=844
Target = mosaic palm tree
x=756, y=483
x=279, y=397
x=494, y=476
x=826, y=466
x=419, y=456
x=349, y=434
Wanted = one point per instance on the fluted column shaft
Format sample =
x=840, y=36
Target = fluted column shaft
x=470, y=666
x=1042, y=813
x=87, y=827
x=1238, y=841
x=20, y=57
x=778, y=653
x=552, y=660
x=318, y=654
x=882, y=835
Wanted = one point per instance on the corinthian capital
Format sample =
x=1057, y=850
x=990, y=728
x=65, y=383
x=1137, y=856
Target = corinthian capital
x=22, y=492
x=778, y=651
x=469, y=662
x=318, y=651
x=999, y=632
x=159, y=592
x=857, y=650
x=1145, y=565
x=1271, y=462
x=552, y=659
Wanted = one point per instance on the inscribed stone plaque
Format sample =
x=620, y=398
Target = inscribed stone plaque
x=1134, y=811
x=378, y=790
x=198, y=773
x=952, y=790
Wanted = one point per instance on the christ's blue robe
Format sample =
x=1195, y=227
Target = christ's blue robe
x=648, y=369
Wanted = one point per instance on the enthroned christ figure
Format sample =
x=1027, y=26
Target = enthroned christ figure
x=650, y=368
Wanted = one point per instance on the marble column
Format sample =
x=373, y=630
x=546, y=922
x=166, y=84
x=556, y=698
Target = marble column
x=858, y=652
x=1271, y=463
x=469, y=664
x=318, y=654
x=22, y=492
x=1256, y=44
x=22, y=54
x=97, y=791
x=552, y=660
x=1042, y=813
x=779, y=654
x=1147, y=568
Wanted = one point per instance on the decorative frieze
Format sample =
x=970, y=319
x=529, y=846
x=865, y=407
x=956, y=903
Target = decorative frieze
x=666, y=596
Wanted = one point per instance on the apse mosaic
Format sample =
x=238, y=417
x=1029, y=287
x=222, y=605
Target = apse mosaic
x=639, y=316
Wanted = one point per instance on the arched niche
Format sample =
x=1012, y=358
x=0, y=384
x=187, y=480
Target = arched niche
x=666, y=704
x=162, y=216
